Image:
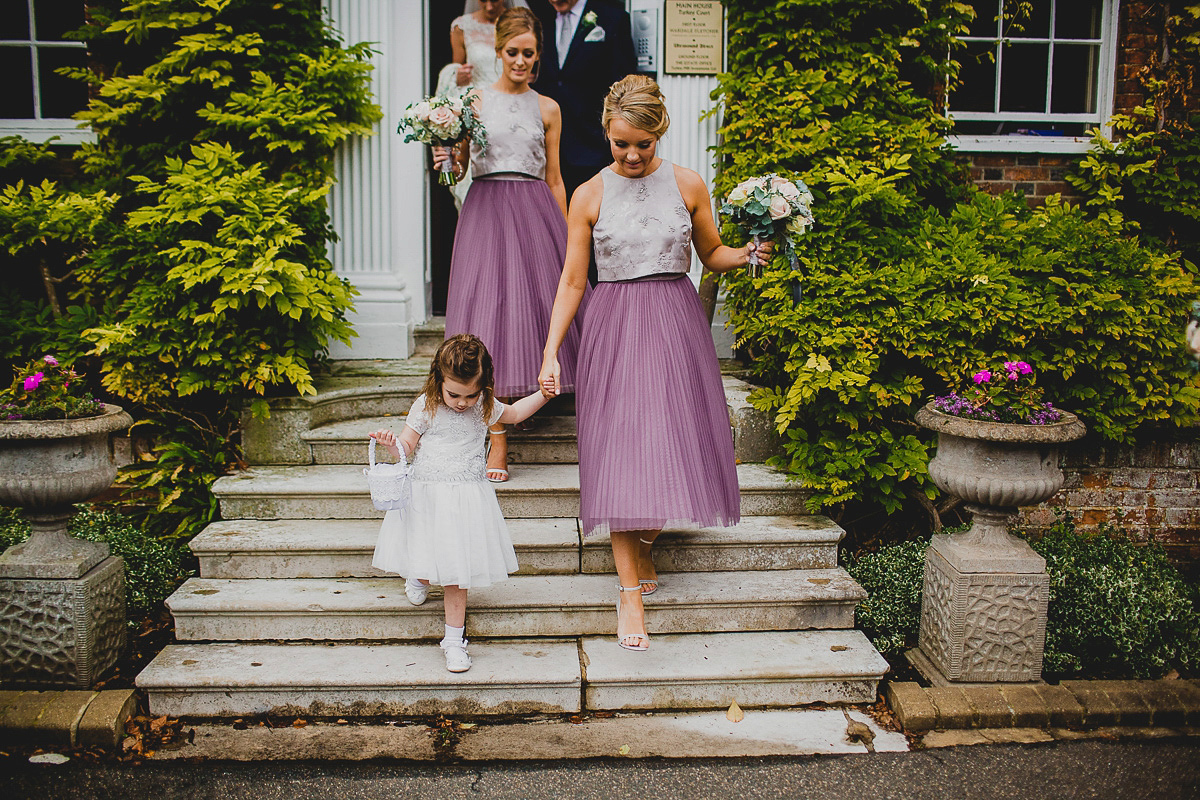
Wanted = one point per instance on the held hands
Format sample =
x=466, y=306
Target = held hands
x=388, y=440
x=761, y=251
x=548, y=379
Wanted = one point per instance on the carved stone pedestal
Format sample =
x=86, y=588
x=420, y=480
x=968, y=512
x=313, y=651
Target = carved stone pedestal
x=62, y=632
x=981, y=621
x=983, y=606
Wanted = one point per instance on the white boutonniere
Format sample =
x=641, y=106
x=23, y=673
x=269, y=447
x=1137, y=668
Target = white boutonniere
x=589, y=19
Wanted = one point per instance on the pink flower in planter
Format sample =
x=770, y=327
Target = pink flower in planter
x=51, y=360
x=32, y=381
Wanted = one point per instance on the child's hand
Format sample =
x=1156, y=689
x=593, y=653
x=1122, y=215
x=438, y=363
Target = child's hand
x=388, y=440
x=547, y=389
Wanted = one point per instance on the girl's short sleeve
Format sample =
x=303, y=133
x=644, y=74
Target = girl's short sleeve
x=497, y=410
x=418, y=418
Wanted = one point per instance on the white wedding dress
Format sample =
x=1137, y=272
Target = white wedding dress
x=480, y=41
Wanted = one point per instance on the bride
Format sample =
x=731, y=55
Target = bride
x=473, y=48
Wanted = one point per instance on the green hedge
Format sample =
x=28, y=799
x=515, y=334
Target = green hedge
x=912, y=278
x=153, y=568
x=187, y=245
x=1117, y=608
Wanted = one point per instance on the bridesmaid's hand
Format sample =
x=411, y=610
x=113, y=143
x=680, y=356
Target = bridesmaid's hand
x=548, y=379
x=463, y=76
x=441, y=155
x=762, y=251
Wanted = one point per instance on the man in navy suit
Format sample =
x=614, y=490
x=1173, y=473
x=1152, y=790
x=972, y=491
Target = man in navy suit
x=599, y=54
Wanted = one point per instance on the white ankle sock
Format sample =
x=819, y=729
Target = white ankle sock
x=454, y=636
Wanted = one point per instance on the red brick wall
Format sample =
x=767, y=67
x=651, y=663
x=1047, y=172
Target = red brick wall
x=1151, y=489
x=1037, y=176
x=1139, y=40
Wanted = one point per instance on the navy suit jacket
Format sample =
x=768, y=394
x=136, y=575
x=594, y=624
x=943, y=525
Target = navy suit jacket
x=582, y=83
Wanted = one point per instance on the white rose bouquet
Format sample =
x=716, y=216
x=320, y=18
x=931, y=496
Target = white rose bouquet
x=771, y=207
x=443, y=121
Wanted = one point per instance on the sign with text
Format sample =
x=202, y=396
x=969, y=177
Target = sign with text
x=695, y=37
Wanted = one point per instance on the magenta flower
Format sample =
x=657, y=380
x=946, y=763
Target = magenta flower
x=51, y=360
x=32, y=381
x=1019, y=367
x=983, y=376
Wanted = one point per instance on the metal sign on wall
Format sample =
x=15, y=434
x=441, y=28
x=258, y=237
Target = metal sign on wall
x=694, y=40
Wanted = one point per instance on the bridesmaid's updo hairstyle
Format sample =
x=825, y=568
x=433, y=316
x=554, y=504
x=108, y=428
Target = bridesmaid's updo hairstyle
x=465, y=359
x=637, y=100
x=516, y=21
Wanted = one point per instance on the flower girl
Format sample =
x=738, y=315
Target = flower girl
x=452, y=533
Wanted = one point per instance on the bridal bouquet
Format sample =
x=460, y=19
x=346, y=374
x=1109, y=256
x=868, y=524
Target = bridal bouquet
x=771, y=207
x=444, y=121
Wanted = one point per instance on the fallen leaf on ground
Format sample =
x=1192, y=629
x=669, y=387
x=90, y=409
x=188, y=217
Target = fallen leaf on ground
x=299, y=723
x=623, y=750
x=735, y=713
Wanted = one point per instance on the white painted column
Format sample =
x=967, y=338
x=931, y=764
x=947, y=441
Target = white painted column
x=378, y=205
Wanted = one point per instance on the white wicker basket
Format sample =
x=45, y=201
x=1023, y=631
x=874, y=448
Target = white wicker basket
x=391, y=488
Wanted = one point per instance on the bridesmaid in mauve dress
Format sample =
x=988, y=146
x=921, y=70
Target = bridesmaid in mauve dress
x=512, y=232
x=655, y=447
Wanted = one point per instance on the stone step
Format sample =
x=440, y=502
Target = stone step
x=375, y=609
x=226, y=680
x=343, y=548
x=345, y=442
x=679, y=671
x=428, y=336
x=535, y=490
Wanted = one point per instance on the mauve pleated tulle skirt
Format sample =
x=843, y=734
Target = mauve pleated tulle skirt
x=508, y=257
x=655, y=446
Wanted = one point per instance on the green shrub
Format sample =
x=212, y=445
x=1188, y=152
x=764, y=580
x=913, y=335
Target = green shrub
x=1116, y=608
x=893, y=577
x=187, y=244
x=912, y=278
x=153, y=567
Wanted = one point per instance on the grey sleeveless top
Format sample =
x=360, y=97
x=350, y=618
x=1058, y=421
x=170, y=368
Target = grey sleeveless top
x=515, y=134
x=643, y=227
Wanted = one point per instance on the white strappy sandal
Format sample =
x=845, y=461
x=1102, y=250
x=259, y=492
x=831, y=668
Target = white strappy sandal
x=628, y=640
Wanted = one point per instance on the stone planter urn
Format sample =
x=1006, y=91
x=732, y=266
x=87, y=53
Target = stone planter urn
x=62, y=600
x=983, y=605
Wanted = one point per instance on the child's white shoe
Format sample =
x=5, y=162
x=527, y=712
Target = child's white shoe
x=416, y=591
x=457, y=659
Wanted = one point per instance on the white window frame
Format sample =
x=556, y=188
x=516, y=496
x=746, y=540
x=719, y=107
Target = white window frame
x=39, y=128
x=1015, y=143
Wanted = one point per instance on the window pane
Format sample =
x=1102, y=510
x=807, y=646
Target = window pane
x=1027, y=19
x=1023, y=77
x=1075, y=73
x=977, y=79
x=985, y=22
x=1079, y=19
x=16, y=65
x=61, y=96
x=14, y=20
x=56, y=17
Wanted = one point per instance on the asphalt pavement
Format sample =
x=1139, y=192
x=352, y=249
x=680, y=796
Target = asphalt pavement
x=1162, y=769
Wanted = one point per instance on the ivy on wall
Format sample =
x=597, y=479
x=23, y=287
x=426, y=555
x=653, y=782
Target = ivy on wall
x=912, y=278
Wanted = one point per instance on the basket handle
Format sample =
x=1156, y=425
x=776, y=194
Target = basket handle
x=371, y=452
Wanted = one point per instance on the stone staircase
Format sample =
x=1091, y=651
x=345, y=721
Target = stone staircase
x=289, y=617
